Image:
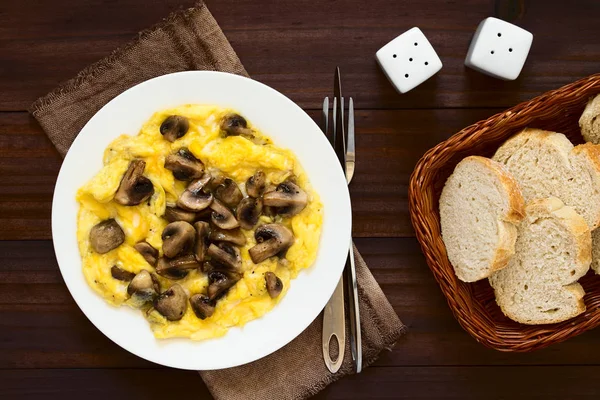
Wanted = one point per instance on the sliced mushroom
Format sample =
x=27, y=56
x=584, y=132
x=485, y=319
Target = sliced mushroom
x=208, y=267
x=204, y=215
x=220, y=282
x=194, y=198
x=176, y=268
x=229, y=193
x=173, y=214
x=272, y=239
x=120, y=274
x=172, y=303
x=216, y=179
x=174, y=127
x=202, y=306
x=274, y=284
x=202, y=234
x=269, y=211
x=222, y=216
x=165, y=269
x=143, y=287
x=134, y=187
x=185, y=263
x=149, y=253
x=226, y=256
x=184, y=165
x=178, y=238
x=248, y=212
x=288, y=198
x=234, y=125
x=256, y=184
x=235, y=236
x=106, y=236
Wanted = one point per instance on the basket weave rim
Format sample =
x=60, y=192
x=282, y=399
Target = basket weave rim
x=425, y=219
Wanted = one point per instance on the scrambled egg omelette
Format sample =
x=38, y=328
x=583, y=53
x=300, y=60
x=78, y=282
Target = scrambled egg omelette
x=122, y=232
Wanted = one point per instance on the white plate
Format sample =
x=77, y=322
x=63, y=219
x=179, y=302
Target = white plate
x=289, y=127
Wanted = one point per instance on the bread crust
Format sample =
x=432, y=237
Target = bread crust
x=578, y=229
x=566, y=152
x=507, y=223
x=516, y=212
x=589, y=122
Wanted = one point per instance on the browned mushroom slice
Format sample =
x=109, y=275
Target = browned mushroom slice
x=174, y=127
x=172, y=303
x=186, y=262
x=202, y=306
x=274, y=284
x=220, y=282
x=149, y=253
x=184, y=165
x=106, y=236
x=178, y=238
x=134, y=187
x=222, y=216
x=165, y=269
x=204, y=215
x=248, y=212
x=288, y=198
x=234, y=236
x=143, y=287
x=234, y=125
x=226, y=256
x=229, y=193
x=176, y=268
x=120, y=274
x=173, y=214
x=272, y=239
x=256, y=184
x=194, y=198
x=269, y=211
x=266, y=210
x=216, y=179
x=208, y=267
x=202, y=235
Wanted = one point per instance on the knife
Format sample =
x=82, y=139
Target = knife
x=340, y=140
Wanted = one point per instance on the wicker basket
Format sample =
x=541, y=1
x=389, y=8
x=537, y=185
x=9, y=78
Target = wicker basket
x=473, y=304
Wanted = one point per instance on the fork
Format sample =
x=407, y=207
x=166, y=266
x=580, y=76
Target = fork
x=334, y=316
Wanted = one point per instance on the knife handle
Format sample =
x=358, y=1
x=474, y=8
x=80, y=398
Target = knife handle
x=353, y=311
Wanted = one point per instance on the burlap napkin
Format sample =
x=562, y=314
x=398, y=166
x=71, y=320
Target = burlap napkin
x=192, y=40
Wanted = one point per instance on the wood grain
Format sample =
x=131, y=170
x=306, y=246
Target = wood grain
x=49, y=349
x=294, y=46
x=434, y=382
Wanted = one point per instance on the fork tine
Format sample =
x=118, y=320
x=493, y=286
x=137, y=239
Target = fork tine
x=325, y=119
x=350, y=148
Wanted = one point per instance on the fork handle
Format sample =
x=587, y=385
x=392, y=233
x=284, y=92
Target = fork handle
x=334, y=327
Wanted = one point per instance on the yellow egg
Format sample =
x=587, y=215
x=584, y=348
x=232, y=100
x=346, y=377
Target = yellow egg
x=236, y=157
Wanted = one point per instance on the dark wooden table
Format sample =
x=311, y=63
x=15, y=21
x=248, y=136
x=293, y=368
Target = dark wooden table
x=47, y=346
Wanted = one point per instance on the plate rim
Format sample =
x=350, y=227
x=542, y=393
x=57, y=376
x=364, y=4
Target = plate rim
x=314, y=313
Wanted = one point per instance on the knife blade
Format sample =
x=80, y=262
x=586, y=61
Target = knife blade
x=339, y=137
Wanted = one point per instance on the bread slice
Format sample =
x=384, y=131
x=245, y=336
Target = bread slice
x=590, y=130
x=553, y=250
x=546, y=164
x=589, y=122
x=480, y=207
